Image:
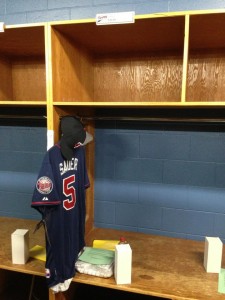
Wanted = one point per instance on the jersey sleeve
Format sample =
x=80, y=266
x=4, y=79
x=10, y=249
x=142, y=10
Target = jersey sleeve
x=45, y=191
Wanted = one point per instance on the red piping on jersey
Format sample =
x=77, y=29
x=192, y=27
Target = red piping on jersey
x=74, y=147
x=46, y=203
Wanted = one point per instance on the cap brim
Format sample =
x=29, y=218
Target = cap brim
x=88, y=139
x=67, y=151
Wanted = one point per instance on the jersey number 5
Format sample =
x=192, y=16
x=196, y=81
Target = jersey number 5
x=70, y=192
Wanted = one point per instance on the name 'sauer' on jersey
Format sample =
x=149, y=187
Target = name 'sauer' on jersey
x=68, y=165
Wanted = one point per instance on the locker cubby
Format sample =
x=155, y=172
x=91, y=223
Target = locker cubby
x=58, y=113
x=206, y=63
x=164, y=66
x=22, y=64
x=138, y=62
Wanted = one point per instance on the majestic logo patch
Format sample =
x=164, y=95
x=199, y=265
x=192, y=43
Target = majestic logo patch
x=44, y=185
x=47, y=273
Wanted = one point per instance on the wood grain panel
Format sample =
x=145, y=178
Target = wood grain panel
x=139, y=79
x=72, y=71
x=29, y=80
x=6, y=91
x=207, y=31
x=90, y=150
x=143, y=36
x=24, y=41
x=206, y=73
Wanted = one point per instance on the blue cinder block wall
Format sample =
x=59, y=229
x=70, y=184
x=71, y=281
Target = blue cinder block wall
x=21, y=153
x=30, y=11
x=164, y=179
x=161, y=180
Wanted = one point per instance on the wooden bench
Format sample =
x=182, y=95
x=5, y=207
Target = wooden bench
x=164, y=267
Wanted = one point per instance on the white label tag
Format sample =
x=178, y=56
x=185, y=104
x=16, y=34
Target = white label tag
x=2, y=27
x=50, y=139
x=115, y=18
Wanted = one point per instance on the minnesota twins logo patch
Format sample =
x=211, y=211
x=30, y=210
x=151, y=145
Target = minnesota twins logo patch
x=44, y=185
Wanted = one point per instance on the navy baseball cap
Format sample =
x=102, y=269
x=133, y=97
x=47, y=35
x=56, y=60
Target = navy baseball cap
x=73, y=134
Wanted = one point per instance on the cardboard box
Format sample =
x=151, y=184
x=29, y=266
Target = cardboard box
x=20, y=246
x=123, y=264
x=213, y=254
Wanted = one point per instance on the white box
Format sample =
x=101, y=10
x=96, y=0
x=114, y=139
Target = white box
x=213, y=254
x=20, y=246
x=123, y=264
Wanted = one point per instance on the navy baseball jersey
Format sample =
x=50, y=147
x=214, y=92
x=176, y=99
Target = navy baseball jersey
x=59, y=196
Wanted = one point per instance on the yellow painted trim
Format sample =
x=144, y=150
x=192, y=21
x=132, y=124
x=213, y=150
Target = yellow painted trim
x=179, y=13
x=48, y=65
x=185, y=58
x=72, y=22
x=139, y=104
x=22, y=103
x=147, y=16
x=25, y=25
